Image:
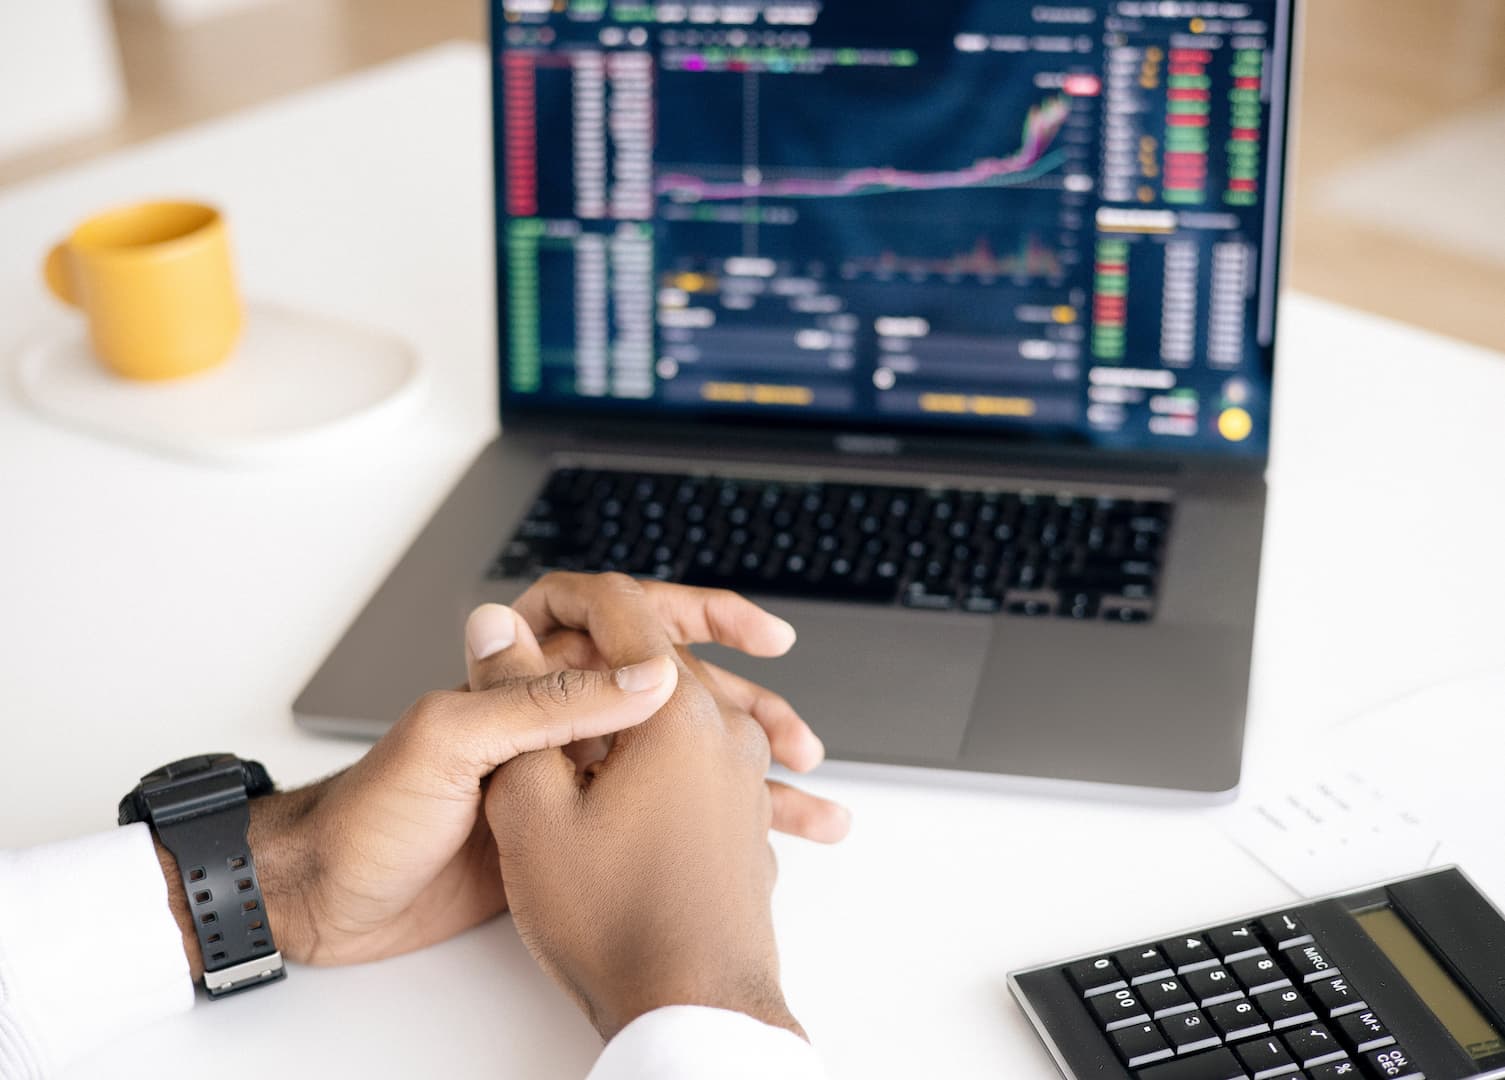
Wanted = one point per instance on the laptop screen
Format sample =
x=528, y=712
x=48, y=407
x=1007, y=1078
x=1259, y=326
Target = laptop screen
x=1050, y=220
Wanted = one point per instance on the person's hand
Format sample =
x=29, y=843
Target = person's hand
x=646, y=880
x=393, y=854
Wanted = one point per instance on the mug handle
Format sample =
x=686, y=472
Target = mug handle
x=55, y=273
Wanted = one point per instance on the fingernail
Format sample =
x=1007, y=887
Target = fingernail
x=788, y=632
x=649, y=675
x=490, y=629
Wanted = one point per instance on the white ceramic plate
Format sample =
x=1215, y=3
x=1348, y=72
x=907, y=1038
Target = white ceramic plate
x=297, y=384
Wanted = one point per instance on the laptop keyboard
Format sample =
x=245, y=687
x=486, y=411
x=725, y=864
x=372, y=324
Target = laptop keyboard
x=1019, y=552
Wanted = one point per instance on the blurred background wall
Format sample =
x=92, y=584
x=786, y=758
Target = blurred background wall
x=1400, y=195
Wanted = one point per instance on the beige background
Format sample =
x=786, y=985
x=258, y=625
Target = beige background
x=1402, y=117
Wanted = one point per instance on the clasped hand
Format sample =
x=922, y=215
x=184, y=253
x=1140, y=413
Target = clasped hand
x=595, y=777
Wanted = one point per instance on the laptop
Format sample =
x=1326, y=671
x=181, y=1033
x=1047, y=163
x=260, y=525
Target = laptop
x=944, y=330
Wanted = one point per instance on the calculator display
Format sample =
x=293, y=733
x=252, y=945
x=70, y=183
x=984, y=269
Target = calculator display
x=1442, y=994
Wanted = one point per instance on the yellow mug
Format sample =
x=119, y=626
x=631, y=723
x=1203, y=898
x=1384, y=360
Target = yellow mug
x=156, y=284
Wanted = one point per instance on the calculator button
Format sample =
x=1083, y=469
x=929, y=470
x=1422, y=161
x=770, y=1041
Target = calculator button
x=1314, y=1045
x=1165, y=997
x=1391, y=1063
x=1337, y=996
x=1189, y=1032
x=1259, y=973
x=1347, y=1069
x=1285, y=1008
x=1212, y=986
x=1364, y=1031
x=1096, y=976
x=1141, y=1045
x=1235, y=942
x=1285, y=930
x=1309, y=963
x=1141, y=965
x=1118, y=1009
x=1237, y=1020
x=1190, y=953
x=1266, y=1058
x=1217, y=1064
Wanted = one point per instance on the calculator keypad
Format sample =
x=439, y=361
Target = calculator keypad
x=1260, y=1000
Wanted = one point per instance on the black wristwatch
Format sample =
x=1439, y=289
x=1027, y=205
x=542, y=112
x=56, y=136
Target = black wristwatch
x=199, y=809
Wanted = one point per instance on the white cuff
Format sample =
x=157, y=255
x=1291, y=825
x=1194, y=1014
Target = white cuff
x=88, y=948
x=688, y=1042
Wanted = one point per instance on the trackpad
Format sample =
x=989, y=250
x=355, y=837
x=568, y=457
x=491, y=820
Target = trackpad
x=877, y=684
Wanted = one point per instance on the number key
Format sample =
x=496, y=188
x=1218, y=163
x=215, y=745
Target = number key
x=1189, y=1032
x=1391, y=1063
x=1096, y=976
x=1213, y=986
x=1259, y=973
x=1142, y=965
x=1142, y=1044
x=1285, y=1008
x=1189, y=953
x=1235, y=942
x=1238, y=1020
x=1118, y=1009
x=1166, y=997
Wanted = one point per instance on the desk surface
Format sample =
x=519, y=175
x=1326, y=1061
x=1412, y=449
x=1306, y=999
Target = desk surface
x=153, y=608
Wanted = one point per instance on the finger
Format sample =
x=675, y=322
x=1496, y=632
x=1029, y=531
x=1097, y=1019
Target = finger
x=612, y=608
x=794, y=745
x=470, y=735
x=695, y=616
x=800, y=813
x=500, y=647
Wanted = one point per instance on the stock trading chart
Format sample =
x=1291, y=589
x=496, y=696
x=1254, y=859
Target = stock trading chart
x=1056, y=219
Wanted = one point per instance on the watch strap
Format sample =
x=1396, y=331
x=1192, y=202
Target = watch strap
x=200, y=810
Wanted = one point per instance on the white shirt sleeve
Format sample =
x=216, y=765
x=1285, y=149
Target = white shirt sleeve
x=688, y=1042
x=89, y=948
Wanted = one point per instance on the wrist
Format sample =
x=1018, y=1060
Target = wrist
x=760, y=998
x=274, y=837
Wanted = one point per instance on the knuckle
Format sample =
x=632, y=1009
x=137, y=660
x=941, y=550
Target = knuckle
x=560, y=688
x=620, y=583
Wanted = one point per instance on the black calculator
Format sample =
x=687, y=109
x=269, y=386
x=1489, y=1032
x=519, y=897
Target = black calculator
x=1399, y=981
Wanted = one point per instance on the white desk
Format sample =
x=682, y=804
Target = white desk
x=150, y=609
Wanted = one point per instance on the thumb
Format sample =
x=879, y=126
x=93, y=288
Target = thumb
x=554, y=710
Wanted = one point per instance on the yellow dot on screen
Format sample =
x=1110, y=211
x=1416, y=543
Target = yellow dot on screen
x=1235, y=425
x=1197, y=26
x=1063, y=314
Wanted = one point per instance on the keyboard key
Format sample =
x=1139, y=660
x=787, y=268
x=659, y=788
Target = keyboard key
x=1314, y=1045
x=1285, y=1008
x=1391, y=1063
x=1235, y=942
x=1347, y=1069
x=1337, y=996
x=1309, y=963
x=1165, y=997
x=1096, y=976
x=1212, y=986
x=1237, y=1020
x=1285, y=930
x=1259, y=973
x=1191, y=953
x=1142, y=965
x=1189, y=1032
x=1364, y=1031
x=1266, y=1059
x=1217, y=1064
x=1118, y=1009
x=1141, y=1045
